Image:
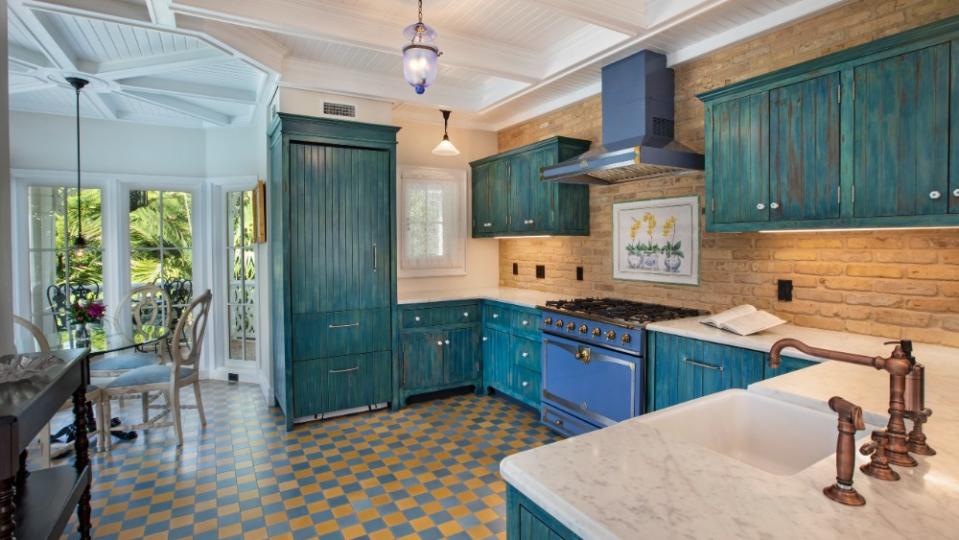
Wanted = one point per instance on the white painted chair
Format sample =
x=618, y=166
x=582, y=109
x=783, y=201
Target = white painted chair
x=149, y=307
x=169, y=378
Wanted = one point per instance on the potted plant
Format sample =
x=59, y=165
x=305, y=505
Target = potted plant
x=650, y=250
x=634, y=251
x=673, y=249
x=85, y=313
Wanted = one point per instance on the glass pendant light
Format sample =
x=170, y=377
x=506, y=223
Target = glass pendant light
x=445, y=147
x=420, y=54
x=79, y=242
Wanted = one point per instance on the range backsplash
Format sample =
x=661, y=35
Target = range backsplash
x=888, y=283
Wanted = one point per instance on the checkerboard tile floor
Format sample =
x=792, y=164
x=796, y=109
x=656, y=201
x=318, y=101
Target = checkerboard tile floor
x=427, y=471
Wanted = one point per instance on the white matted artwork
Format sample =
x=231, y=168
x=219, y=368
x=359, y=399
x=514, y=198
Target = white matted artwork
x=657, y=240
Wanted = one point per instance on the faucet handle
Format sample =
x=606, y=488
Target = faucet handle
x=878, y=467
x=916, y=440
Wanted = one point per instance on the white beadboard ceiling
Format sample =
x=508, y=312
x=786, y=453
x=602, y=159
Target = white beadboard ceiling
x=208, y=62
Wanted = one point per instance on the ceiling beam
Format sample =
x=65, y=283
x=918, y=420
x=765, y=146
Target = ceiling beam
x=160, y=13
x=31, y=86
x=154, y=85
x=115, y=9
x=151, y=65
x=306, y=75
x=27, y=57
x=624, y=21
x=313, y=21
x=255, y=46
x=100, y=105
x=49, y=41
x=183, y=107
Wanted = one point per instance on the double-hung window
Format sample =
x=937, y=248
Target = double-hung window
x=432, y=214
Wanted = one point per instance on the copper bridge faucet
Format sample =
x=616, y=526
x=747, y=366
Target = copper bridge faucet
x=899, y=365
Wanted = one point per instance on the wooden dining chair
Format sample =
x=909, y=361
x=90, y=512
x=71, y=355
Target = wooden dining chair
x=168, y=378
x=149, y=307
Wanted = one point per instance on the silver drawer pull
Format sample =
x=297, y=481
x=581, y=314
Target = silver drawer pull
x=703, y=365
x=350, y=325
x=487, y=224
x=347, y=370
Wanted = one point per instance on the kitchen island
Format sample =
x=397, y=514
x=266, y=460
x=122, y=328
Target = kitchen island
x=632, y=481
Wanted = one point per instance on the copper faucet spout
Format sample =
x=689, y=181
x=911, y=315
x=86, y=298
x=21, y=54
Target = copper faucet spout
x=775, y=354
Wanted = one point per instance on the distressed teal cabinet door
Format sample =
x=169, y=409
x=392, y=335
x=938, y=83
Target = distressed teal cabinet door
x=542, y=195
x=902, y=134
x=738, y=159
x=482, y=205
x=499, y=197
x=461, y=354
x=422, y=359
x=519, y=192
x=496, y=359
x=339, y=257
x=954, y=133
x=804, y=148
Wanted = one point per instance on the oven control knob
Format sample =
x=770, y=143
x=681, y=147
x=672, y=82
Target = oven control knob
x=610, y=334
x=583, y=329
x=570, y=326
x=559, y=323
x=597, y=332
x=626, y=338
x=548, y=321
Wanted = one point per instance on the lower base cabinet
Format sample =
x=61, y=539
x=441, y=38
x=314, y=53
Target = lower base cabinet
x=527, y=521
x=681, y=369
x=511, y=352
x=325, y=385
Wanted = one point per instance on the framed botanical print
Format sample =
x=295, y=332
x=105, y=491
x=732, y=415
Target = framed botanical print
x=657, y=240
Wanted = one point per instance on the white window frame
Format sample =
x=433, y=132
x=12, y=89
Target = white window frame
x=456, y=178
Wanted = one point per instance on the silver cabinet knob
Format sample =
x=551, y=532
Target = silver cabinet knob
x=466, y=314
x=525, y=383
x=760, y=206
x=496, y=315
x=417, y=318
x=935, y=195
x=485, y=338
x=774, y=205
x=531, y=222
x=525, y=323
x=487, y=224
x=955, y=192
x=447, y=342
x=525, y=354
x=439, y=343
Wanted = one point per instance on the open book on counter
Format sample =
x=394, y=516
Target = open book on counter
x=744, y=320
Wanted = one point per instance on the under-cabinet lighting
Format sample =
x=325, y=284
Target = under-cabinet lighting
x=856, y=229
x=521, y=237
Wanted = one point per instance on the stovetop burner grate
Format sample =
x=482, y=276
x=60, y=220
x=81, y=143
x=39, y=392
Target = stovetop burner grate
x=625, y=311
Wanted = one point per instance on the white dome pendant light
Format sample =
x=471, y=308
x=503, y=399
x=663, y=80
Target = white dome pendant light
x=420, y=54
x=445, y=147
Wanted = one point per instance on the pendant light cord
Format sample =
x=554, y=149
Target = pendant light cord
x=421, y=12
x=79, y=210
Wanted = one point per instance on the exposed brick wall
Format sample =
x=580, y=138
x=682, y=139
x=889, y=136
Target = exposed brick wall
x=886, y=283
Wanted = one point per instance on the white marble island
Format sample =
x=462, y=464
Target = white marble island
x=631, y=481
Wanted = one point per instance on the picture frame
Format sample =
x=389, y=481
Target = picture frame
x=259, y=212
x=657, y=240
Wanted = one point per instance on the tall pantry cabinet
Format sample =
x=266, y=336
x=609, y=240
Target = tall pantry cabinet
x=333, y=252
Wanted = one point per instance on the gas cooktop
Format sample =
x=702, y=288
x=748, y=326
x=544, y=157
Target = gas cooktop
x=625, y=312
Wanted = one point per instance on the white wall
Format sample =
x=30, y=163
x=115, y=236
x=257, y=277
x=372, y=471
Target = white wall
x=415, y=147
x=6, y=264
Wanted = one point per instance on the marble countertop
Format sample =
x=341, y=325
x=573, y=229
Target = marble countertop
x=824, y=339
x=520, y=297
x=630, y=480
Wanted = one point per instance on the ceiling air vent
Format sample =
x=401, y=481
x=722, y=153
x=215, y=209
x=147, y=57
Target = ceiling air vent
x=339, y=109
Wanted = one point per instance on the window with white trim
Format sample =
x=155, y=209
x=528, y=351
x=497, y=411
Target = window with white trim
x=432, y=228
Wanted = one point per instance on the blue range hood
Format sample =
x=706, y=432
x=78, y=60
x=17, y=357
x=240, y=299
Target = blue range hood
x=638, y=140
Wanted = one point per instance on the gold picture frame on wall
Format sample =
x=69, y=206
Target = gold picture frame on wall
x=259, y=212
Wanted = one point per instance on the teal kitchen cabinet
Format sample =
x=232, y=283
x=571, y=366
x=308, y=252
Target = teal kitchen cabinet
x=332, y=195
x=511, y=352
x=439, y=347
x=865, y=137
x=525, y=520
x=681, y=369
x=509, y=197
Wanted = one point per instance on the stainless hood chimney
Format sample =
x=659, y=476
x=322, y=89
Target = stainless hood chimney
x=637, y=128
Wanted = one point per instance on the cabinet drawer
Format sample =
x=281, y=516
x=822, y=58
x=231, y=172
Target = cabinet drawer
x=526, y=385
x=331, y=384
x=524, y=323
x=422, y=317
x=525, y=353
x=339, y=333
x=565, y=423
x=497, y=315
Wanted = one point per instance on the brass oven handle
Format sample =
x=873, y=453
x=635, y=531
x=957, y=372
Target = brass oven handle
x=347, y=370
x=584, y=355
x=350, y=325
x=703, y=364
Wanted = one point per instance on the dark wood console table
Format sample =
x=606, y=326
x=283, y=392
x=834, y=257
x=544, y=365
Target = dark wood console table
x=38, y=504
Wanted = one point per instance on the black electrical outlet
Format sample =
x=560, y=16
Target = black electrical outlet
x=233, y=377
x=579, y=273
x=785, y=290
x=515, y=269
x=540, y=271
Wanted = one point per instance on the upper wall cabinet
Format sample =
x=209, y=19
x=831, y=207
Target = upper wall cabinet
x=866, y=137
x=510, y=199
